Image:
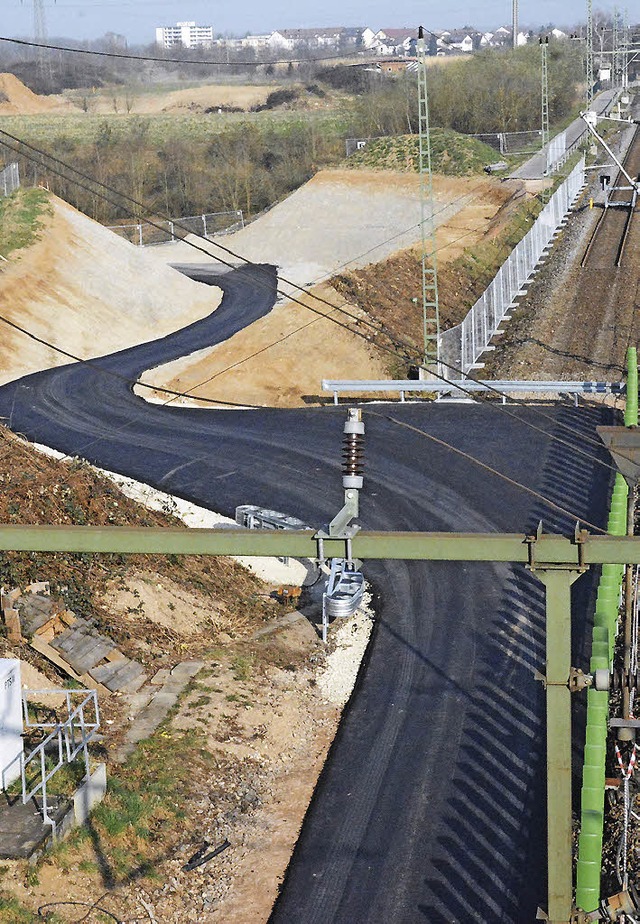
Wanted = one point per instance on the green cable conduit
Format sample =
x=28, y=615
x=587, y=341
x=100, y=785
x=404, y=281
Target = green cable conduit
x=589, y=871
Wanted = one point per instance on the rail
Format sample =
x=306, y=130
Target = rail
x=462, y=386
x=66, y=739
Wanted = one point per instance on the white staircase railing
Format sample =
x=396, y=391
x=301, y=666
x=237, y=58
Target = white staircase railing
x=66, y=740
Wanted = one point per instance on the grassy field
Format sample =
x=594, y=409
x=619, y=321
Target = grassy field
x=85, y=128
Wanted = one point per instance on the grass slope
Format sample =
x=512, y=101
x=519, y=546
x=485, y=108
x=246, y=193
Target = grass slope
x=452, y=154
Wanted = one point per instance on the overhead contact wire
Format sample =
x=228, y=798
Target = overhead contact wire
x=378, y=328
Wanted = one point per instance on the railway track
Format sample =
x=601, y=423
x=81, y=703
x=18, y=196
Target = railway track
x=612, y=233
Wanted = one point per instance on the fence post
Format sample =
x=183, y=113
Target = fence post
x=204, y=225
x=140, y=234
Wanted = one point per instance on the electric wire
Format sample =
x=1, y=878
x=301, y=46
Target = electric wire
x=465, y=455
x=187, y=61
x=398, y=343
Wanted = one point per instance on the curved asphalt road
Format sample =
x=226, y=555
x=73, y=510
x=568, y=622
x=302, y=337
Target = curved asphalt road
x=431, y=805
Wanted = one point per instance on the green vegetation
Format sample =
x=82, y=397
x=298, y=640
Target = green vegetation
x=21, y=218
x=175, y=171
x=13, y=912
x=451, y=153
x=210, y=162
x=148, y=798
x=492, y=91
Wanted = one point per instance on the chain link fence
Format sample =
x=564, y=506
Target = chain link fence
x=164, y=231
x=462, y=346
x=505, y=142
x=9, y=179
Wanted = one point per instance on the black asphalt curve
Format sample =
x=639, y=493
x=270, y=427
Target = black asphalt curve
x=431, y=805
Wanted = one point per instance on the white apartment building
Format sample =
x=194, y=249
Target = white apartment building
x=185, y=34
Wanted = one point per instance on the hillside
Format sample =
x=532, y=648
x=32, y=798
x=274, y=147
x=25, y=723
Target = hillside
x=79, y=286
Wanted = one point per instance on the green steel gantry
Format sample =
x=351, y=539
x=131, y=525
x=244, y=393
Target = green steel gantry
x=557, y=561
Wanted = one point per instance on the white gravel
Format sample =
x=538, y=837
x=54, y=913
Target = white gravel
x=350, y=637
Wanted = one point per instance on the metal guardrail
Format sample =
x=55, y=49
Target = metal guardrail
x=165, y=231
x=404, y=386
x=9, y=179
x=67, y=738
x=462, y=346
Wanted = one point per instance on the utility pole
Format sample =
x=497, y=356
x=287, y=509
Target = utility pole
x=544, y=122
x=430, y=303
x=514, y=22
x=40, y=37
x=615, y=65
x=589, y=68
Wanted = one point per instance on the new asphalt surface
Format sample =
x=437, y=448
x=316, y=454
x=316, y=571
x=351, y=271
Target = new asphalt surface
x=431, y=805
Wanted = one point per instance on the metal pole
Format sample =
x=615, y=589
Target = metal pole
x=430, y=301
x=514, y=23
x=589, y=62
x=544, y=48
x=559, y=818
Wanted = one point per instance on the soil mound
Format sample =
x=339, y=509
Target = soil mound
x=16, y=99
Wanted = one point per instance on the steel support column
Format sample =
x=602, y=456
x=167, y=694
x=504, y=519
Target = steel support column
x=559, y=818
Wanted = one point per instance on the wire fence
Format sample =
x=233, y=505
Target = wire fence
x=9, y=179
x=462, y=346
x=511, y=142
x=164, y=231
x=505, y=142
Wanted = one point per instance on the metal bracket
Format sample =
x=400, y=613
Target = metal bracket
x=347, y=534
x=580, y=537
x=578, y=680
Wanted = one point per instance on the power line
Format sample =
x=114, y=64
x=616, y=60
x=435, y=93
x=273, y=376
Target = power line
x=187, y=61
x=399, y=344
x=488, y=468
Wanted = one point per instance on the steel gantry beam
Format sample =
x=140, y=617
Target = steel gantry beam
x=557, y=561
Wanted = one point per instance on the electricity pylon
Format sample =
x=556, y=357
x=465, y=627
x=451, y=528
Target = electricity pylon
x=544, y=48
x=589, y=61
x=430, y=303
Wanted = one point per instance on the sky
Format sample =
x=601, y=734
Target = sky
x=137, y=19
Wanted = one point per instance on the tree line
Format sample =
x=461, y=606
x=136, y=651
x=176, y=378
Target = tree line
x=251, y=165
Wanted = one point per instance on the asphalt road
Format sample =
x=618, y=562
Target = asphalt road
x=431, y=805
x=535, y=167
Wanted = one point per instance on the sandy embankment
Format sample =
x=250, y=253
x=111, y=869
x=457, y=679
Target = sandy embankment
x=339, y=219
x=90, y=292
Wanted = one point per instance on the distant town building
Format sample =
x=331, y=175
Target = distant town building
x=185, y=34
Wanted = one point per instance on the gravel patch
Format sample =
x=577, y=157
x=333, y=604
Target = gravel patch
x=338, y=676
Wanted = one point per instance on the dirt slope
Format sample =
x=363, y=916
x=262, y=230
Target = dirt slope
x=86, y=289
x=16, y=99
x=338, y=219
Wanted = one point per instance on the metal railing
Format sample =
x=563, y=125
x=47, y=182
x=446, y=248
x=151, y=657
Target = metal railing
x=463, y=386
x=165, y=231
x=9, y=179
x=66, y=739
x=462, y=346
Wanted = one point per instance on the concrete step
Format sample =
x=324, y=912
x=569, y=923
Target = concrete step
x=22, y=829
